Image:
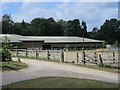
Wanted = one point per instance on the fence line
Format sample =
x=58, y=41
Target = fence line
x=91, y=56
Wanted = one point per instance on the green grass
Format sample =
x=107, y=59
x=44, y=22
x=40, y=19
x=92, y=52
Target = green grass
x=12, y=65
x=61, y=82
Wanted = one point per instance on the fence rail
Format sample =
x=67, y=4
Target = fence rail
x=91, y=56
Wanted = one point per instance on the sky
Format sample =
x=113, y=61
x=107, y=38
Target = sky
x=93, y=13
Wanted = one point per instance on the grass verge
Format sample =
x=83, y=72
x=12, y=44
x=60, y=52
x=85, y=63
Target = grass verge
x=12, y=65
x=113, y=70
x=61, y=82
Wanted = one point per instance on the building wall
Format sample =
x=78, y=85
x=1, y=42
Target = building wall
x=74, y=45
x=35, y=44
x=42, y=45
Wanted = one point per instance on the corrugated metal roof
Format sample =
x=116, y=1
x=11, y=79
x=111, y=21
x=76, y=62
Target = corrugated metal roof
x=63, y=39
x=12, y=37
x=49, y=39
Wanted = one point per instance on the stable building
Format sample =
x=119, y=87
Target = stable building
x=53, y=42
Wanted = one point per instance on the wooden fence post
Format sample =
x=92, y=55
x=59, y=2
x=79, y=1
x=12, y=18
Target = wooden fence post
x=61, y=56
x=36, y=53
x=17, y=53
x=84, y=61
x=77, y=56
x=113, y=57
x=95, y=58
x=101, y=62
x=26, y=54
x=48, y=55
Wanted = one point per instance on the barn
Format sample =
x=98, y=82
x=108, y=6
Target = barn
x=52, y=42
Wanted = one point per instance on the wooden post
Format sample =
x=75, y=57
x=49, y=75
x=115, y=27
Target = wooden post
x=77, y=56
x=61, y=56
x=17, y=53
x=113, y=57
x=95, y=57
x=19, y=60
x=26, y=54
x=84, y=57
x=48, y=55
x=101, y=62
x=36, y=53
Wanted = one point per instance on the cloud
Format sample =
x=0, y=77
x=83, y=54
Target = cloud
x=60, y=0
x=94, y=13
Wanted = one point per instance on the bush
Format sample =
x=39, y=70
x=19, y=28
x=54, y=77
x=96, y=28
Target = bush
x=6, y=49
x=3, y=57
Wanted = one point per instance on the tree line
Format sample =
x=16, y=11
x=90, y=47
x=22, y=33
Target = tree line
x=109, y=31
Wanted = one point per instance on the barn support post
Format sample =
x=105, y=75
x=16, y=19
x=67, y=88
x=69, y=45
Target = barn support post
x=113, y=57
x=77, y=56
x=61, y=56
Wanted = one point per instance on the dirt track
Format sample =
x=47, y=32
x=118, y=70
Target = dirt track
x=38, y=68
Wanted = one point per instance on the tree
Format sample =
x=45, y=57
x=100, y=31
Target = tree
x=77, y=28
x=63, y=27
x=0, y=26
x=73, y=28
x=7, y=24
x=6, y=49
x=110, y=31
x=84, y=30
x=22, y=28
x=70, y=29
x=46, y=27
x=17, y=29
x=50, y=19
x=94, y=32
x=41, y=26
x=56, y=29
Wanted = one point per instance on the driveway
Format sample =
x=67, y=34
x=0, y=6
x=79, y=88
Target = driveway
x=37, y=68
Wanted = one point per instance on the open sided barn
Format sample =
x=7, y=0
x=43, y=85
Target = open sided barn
x=52, y=42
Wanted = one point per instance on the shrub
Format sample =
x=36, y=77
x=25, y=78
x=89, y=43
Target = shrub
x=6, y=49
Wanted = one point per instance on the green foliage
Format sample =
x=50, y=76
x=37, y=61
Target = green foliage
x=13, y=65
x=43, y=27
x=6, y=49
x=73, y=28
x=109, y=31
x=84, y=29
x=7, y=24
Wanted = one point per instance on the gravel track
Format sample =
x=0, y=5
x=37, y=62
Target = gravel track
x=37, y=68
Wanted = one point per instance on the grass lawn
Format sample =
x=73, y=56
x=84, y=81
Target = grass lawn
x=61, y=82
x=12, y=65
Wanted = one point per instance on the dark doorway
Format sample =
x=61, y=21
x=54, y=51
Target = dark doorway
x=46, y=46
